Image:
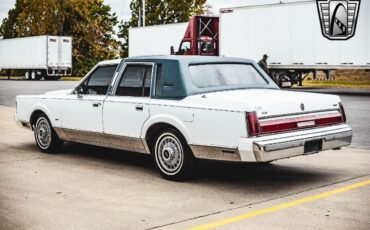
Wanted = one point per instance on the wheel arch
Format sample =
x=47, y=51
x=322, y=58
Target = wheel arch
x=37, y=110
x=155, y=125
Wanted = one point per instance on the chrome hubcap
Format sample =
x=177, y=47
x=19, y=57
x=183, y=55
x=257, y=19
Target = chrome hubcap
x=169, y=154
x=43, y=133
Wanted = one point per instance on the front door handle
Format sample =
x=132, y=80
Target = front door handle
x=139, y=107
x=97, y=104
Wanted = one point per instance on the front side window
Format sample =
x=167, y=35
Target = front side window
x=99, y=80
x=225, y=75
x=136, y=81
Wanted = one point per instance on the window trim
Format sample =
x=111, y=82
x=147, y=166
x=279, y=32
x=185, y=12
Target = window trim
x=120, y=75
x=101, y=66
x=91, y=72
x=156, y=80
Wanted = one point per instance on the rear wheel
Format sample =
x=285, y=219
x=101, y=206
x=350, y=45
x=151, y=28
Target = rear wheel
x=172, y=156
x=34, y=75
x=46, y=138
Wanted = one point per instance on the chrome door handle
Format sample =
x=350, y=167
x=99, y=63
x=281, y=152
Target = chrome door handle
x=96, y=104
x=139, y=107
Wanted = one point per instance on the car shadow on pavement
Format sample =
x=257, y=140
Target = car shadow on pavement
x=233, y=174
x=257, y=173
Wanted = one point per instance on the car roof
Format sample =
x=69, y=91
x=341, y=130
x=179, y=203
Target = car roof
x=189, y=58
x=110, y=62
x=180, y=58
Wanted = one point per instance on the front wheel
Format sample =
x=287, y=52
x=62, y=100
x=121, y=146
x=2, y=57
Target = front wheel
x=172, y=156
x=46, y=138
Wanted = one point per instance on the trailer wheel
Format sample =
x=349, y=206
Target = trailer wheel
x=27, y=75
x=34, y=75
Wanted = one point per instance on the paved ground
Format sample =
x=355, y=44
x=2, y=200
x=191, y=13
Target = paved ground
x=9, y=89
x=87, y=187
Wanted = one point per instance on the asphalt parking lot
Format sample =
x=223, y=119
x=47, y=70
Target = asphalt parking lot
x=87, y=187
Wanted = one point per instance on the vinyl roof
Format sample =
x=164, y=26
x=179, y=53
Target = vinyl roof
x=189, y=58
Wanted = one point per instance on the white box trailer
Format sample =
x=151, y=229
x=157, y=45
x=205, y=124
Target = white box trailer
x=49, y=57
x=290, y=34
x=155, y=40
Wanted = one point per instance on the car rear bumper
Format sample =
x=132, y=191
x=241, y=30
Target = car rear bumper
x=285, y=147
x=279, y=146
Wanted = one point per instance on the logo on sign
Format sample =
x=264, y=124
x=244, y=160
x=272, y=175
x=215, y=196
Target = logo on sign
x=338, y=18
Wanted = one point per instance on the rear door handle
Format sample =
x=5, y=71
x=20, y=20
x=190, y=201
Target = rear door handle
x=139, y=107
x=96, y=104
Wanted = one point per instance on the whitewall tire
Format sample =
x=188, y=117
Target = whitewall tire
x=172, y=156
x=46, y=138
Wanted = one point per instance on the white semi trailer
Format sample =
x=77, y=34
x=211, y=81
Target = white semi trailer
x=289, y=33
x=163, y=37
x=48, y=57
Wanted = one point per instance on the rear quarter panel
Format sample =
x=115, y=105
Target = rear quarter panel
x=199, y=126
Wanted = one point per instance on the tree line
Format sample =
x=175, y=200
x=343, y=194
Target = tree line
x=97, y=33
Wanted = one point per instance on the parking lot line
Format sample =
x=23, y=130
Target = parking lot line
x=275, y=208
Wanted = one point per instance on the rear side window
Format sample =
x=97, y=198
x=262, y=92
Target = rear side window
x=136, y=81
x=100, y=80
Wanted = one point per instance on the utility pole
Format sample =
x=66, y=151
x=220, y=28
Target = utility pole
x=139, y=21
x=62, y=17
x=143, y=13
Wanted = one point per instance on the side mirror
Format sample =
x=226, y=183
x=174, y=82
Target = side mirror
x=79, y=91
x=172, y=50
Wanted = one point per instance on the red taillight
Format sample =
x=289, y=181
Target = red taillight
x=254, y=128
x=344, y=118
x=258, y=127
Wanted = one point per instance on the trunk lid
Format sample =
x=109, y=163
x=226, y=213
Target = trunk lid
x=273, y=103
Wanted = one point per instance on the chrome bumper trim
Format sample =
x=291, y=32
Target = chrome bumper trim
x=275, y=149
x=103, y=140
x=215, y=153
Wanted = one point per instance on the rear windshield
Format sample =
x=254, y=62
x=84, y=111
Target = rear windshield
x=228, y=76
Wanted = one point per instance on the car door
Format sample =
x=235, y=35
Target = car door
x=126, y=110
x=82, y=113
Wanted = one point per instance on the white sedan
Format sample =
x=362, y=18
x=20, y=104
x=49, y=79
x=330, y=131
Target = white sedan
x=179, y=109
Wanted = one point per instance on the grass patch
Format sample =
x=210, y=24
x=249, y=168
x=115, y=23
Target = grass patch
x=338, y=84
x=22, y=78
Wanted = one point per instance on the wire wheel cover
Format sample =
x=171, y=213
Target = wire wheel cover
x=43, y=133
x=169, y=154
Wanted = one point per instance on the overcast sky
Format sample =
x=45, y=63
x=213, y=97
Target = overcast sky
x=122, y=7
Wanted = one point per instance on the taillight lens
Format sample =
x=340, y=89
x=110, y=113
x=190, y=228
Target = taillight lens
x=254, y=128
x=258, y=127
x=344, y=118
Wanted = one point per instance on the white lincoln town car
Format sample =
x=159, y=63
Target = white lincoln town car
x=180, y=109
